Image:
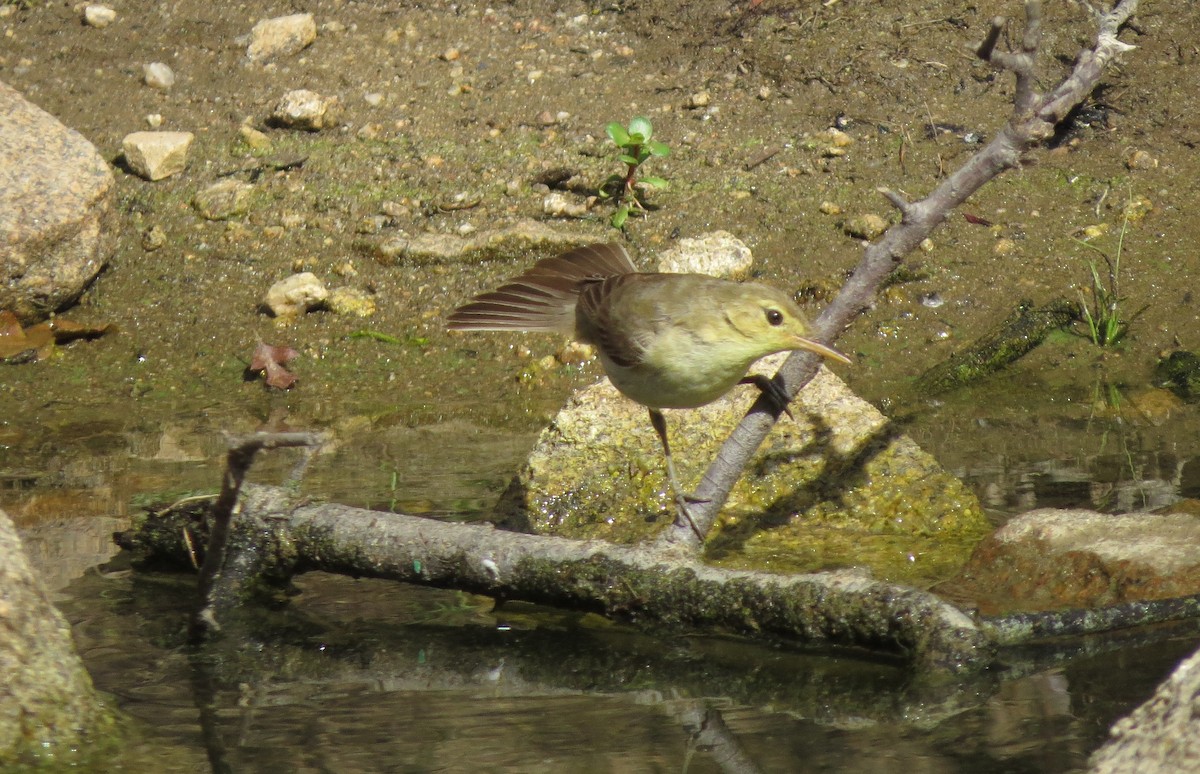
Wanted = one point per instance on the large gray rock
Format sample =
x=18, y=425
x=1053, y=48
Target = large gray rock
x=1159, y=737
x=49, y=703
x=58, y=219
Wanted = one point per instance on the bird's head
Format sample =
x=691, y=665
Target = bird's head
x=767, y=320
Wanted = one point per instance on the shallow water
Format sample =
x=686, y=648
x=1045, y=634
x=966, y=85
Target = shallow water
x=371, y=676
x=374, y=676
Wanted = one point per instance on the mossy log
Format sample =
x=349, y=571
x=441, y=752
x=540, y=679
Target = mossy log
x=657, y=587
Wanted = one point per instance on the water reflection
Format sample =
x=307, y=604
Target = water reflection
x=365, y=676
x=373, y=676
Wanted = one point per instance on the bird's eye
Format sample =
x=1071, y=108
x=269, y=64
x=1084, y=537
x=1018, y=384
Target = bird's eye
x=774, y=317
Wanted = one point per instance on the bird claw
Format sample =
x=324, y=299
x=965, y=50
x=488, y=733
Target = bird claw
x=773, y=390
x=681, y=503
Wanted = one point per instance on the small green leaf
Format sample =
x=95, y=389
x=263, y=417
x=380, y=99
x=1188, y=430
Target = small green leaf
x=654, y=182
x=620, y=216
x=641, y=125
x=617, y=134
x=657, y=148
x=628, y=159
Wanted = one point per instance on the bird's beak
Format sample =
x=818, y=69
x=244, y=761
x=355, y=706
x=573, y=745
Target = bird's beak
x=820, y=349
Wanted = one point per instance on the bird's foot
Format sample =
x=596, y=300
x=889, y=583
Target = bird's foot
x=773, y=390
x=681, y=504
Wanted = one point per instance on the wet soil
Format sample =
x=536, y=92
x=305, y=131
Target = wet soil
x=450, y=103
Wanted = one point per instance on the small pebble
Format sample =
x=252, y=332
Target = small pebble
x=281, y=36
x=304, y=109
x=558, y=205
x=99, y=16
x=1140, y=159
x=153, y=238
x=158, y=75
x=351, y=301
x=155, y=155
x=867, y=226
x=295, y=295
x=223, y=200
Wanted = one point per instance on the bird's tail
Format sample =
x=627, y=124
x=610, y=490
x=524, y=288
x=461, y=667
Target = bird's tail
x=543, y=298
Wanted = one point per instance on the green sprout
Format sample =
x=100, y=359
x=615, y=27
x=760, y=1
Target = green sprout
x=1102, y=312
x=636, y=147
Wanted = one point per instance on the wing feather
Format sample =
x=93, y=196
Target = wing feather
x=544, y=297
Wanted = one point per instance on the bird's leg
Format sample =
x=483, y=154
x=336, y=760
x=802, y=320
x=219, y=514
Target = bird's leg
x=681, y=500
x=772, y=390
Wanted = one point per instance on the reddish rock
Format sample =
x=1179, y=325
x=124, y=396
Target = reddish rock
x=1057, y=559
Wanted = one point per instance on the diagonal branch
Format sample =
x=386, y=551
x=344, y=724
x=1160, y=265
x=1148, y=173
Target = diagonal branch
x=1033, y=120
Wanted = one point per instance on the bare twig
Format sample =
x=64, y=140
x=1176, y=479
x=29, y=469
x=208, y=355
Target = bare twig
x=1033, y=119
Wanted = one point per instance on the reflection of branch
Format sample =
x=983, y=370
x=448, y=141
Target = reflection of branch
x=1033, y=119
x=219, y=573
x=710, y=735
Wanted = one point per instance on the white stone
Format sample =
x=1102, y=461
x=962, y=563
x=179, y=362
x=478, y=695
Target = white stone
x=158, y=75
x=559, y=205
x=296, y=295
x=155, y=155
x=304, y=109
x=718, y=254
x=281, y=36
x=99, y=16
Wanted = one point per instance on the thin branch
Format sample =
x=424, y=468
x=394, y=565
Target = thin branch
x=1028, y=126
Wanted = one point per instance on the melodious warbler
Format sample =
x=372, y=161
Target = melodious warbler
x=666, y=341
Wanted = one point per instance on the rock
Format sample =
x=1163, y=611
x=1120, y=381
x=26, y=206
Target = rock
x=281, y=36
x=838, y=485
x=304, y=109
x=157, y=155
x=1160, y=736
x=557, y=204
x=351, y=301
x=1053, y=559
x=50, y=704
x=718, y=253
x=99, y=16
x=1140, y=159
x=255, y=139
x=1180, y=371
x=158, y=75
x=58, y=219
x=223, y=200
x=838, y=139
x=1004, y=246
x=296, y=295
x=866, y=227
x=522, y=241
x=698, y=100
x=153, y=238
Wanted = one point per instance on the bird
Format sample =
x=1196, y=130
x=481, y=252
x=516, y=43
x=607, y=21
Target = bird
x=665, y=340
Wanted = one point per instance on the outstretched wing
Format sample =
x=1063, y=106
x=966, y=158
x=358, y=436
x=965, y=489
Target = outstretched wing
x=544, y=297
